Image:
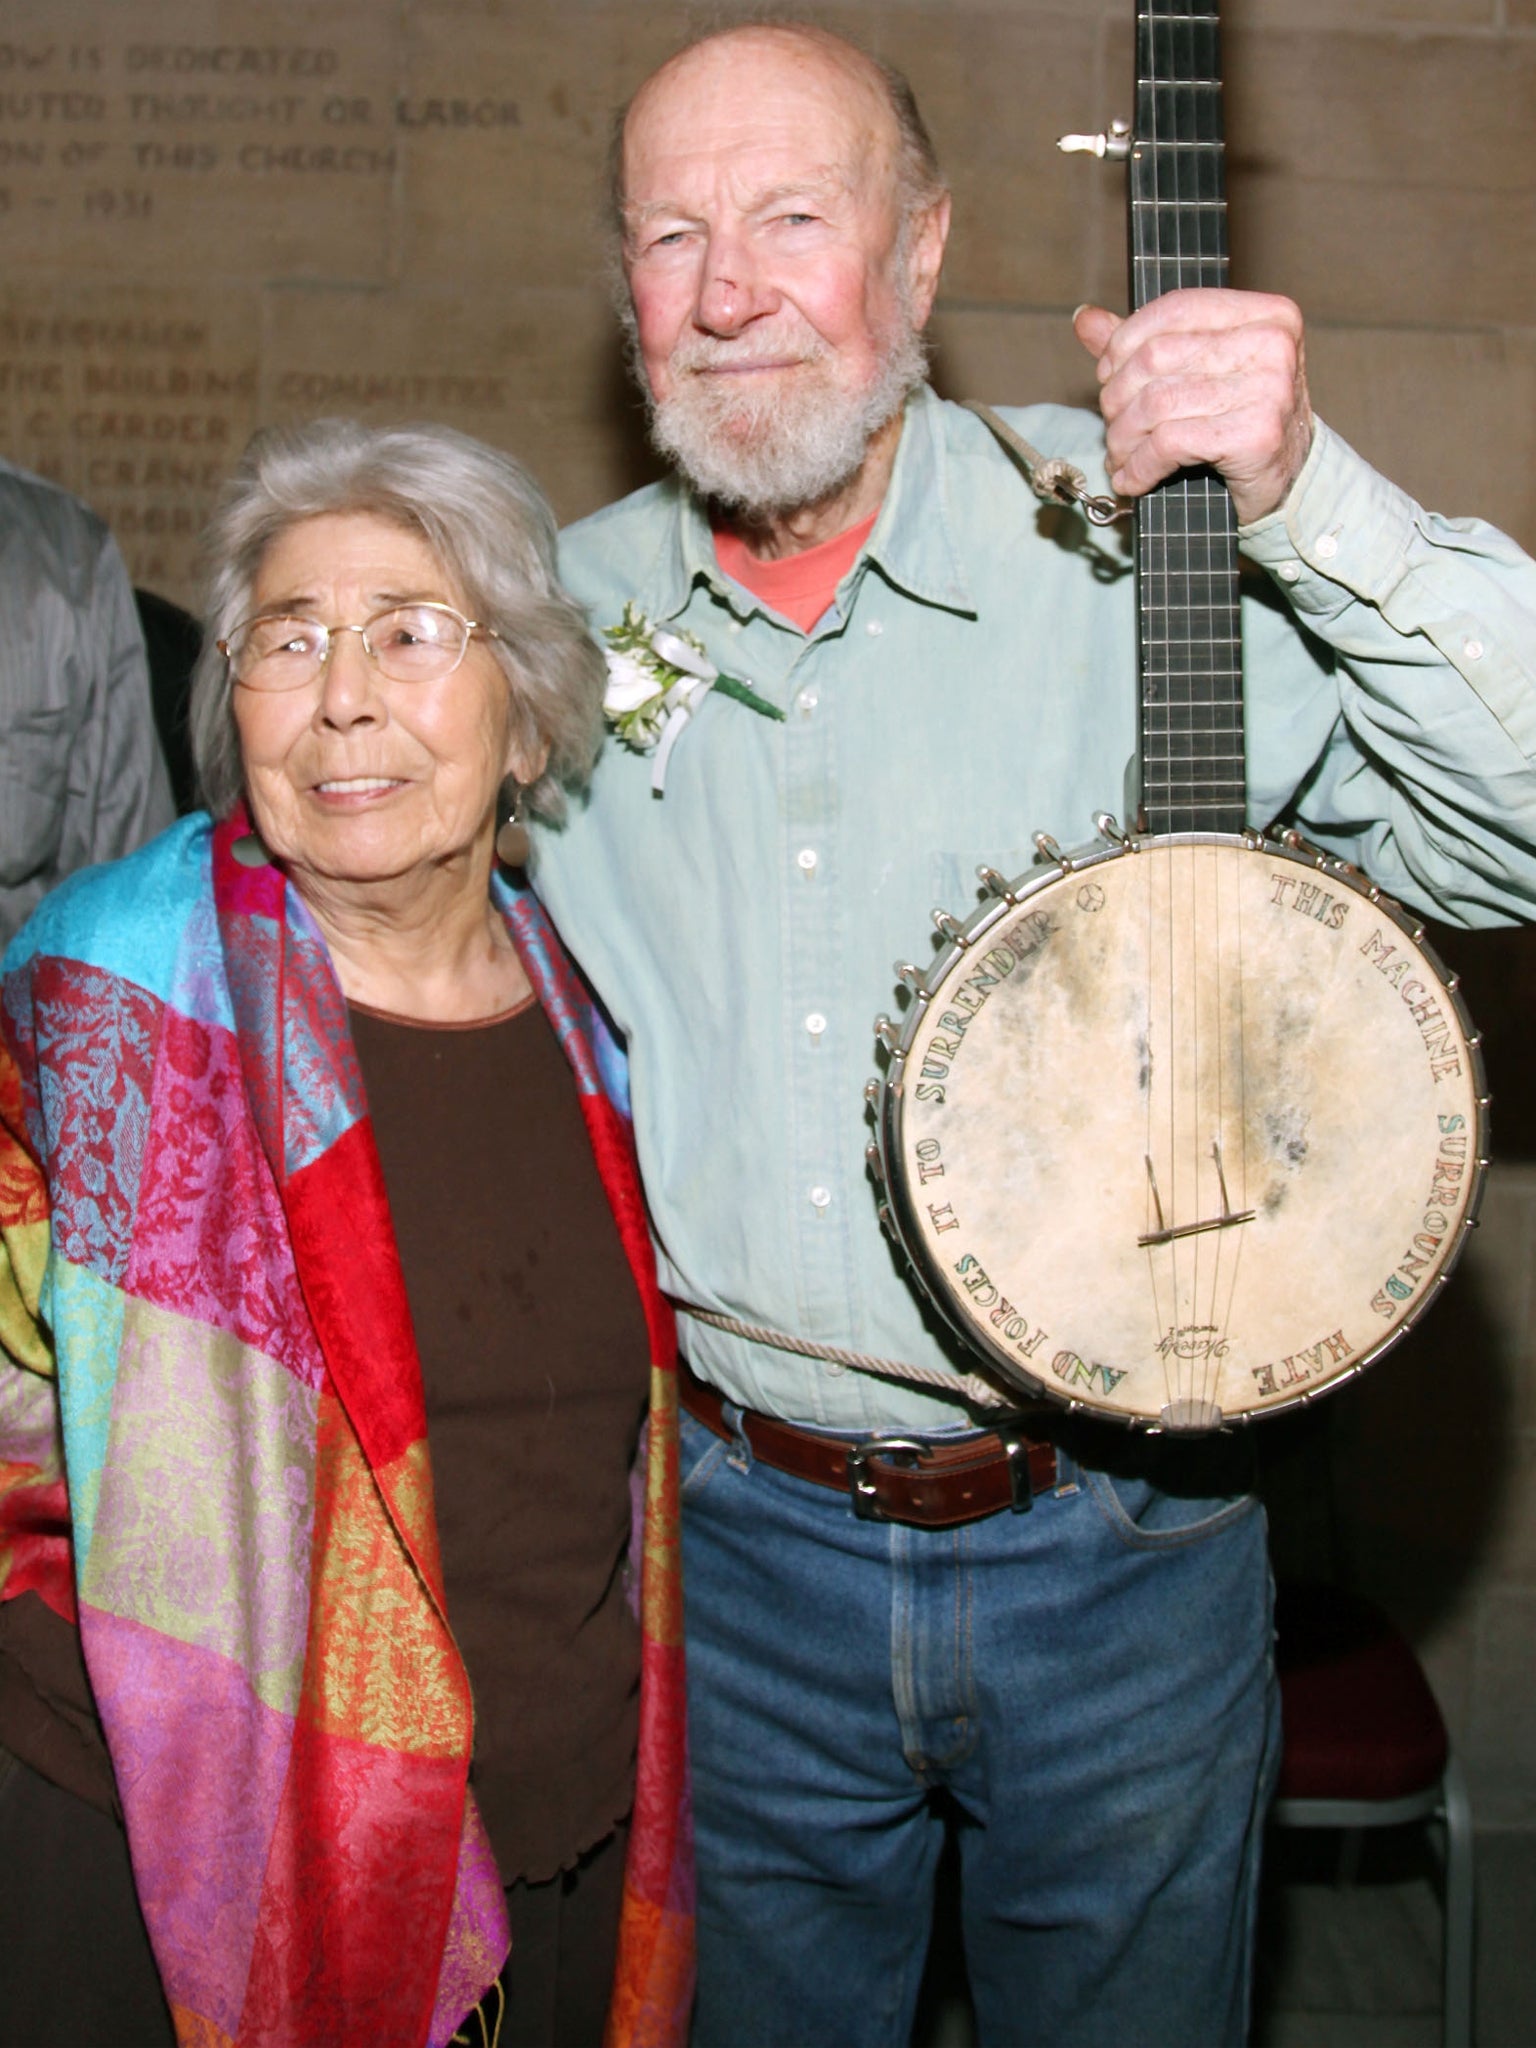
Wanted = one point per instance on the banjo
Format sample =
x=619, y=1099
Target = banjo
x=1188, y=1127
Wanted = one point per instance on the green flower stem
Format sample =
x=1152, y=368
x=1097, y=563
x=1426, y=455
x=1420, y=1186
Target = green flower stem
x=744, y=693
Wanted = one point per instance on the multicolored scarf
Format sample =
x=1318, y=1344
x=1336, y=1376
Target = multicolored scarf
x=199, y=1280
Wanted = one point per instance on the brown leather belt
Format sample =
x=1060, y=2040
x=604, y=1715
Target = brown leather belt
x=932, y=1483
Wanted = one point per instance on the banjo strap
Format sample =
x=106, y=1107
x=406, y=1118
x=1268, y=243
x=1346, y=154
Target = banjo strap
x=980, y=1392
x=1050, y=477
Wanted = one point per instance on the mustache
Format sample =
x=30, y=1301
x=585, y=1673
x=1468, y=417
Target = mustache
x=716, y=352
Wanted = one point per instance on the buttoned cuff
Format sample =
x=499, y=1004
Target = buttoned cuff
x=1343, y=528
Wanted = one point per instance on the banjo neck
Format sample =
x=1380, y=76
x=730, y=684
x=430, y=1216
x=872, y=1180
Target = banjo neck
x=1189, y=650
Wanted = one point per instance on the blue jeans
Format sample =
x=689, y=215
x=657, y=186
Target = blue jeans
x=1091, y=1683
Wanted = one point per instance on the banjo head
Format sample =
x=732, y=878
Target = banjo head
x=1184, y=1131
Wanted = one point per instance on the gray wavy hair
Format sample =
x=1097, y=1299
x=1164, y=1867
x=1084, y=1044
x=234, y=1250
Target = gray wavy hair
x=490, y=527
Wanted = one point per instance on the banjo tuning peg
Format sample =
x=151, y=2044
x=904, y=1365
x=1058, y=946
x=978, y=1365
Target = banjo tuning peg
x=1116, y=145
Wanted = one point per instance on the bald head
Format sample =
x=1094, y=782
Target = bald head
x=879, y=91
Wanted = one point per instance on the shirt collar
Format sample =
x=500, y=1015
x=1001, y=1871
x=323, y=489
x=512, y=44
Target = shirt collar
x=912, y=544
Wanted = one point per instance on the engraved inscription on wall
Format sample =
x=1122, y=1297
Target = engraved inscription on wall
x=162, y=170
x=139, y=410
x=136, y=135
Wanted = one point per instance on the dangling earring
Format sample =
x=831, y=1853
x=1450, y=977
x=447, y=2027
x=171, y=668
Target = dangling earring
x=512, y=836
x=249, y=851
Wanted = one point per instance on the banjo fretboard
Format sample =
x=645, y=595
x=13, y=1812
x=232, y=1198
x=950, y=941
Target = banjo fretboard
x=1186, y=548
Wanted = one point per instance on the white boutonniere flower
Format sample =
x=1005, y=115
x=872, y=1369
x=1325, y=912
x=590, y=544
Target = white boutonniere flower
x=657, y=678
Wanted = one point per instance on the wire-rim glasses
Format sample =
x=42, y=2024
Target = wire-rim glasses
x=407, y=643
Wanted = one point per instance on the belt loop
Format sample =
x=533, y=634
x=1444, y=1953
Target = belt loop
x=739, y=1456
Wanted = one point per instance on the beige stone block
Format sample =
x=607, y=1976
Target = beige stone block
x=1501, y=1744
x=537, y=373
x=1010, y=358
x=240, y=142
x=1032, y=227
x=1386, y=179
x=138, y=404
x=1432, y=112
x=512, y=190
x=1240, y=15
x=1374, y=254
x=1451, y=416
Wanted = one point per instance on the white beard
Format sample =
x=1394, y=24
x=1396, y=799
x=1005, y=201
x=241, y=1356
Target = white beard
x=785, y=442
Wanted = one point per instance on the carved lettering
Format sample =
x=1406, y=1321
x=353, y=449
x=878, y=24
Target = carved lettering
x=483, y=113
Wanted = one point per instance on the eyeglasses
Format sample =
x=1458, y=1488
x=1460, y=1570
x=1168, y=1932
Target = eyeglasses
x=409, y=643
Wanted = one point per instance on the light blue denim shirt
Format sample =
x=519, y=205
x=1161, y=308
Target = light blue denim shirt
x=973, y=684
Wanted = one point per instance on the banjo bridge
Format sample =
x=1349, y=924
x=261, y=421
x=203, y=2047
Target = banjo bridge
x=1194, y=1229
x=1167, y=1233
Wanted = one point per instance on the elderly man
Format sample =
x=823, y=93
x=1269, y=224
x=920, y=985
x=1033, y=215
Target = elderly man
x=1085, y=1689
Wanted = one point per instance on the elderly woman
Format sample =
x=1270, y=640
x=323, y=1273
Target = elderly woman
x=324, y=1278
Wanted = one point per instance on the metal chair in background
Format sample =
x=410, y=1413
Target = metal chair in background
x=1366, y=1747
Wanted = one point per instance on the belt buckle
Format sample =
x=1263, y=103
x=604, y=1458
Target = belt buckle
x=861, y=1487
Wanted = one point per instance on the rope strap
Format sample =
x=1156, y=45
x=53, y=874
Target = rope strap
x=1050, y=477
x=981, y=1393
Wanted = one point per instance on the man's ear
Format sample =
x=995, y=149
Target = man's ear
x=925, y=256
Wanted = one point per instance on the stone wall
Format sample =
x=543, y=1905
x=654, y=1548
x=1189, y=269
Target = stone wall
x=217, y=215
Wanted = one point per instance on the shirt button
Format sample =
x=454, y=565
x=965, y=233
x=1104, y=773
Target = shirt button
x=806, y=702
x=1327, y=546
x=805, y=860
x=815, y=1023
x=1290, y=572
x=1472, y=649
x=821, y=1198
x=874, y=629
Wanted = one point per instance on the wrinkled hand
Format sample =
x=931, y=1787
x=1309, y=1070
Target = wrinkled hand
x=1200, y=377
